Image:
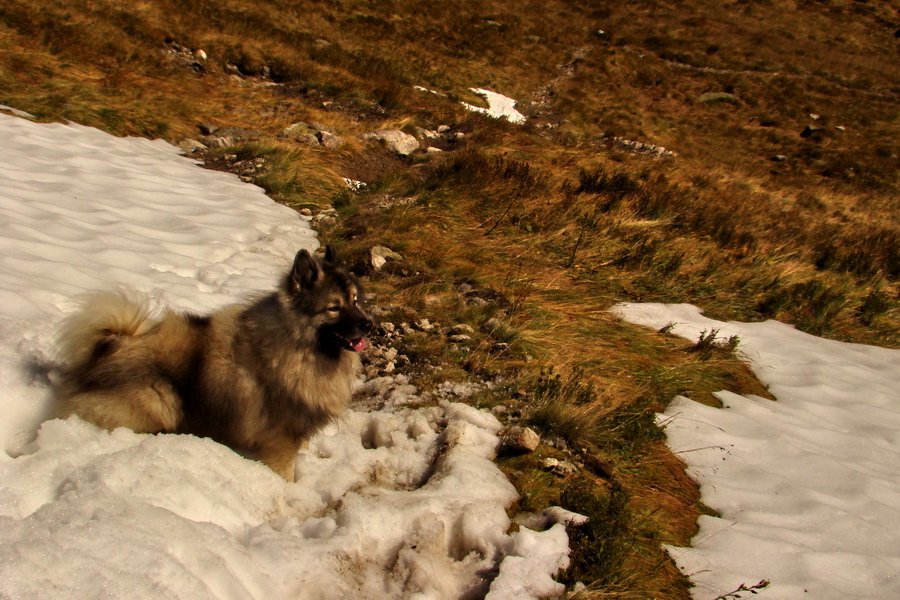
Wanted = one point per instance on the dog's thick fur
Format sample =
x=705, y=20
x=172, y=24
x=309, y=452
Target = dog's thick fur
x=261, y=378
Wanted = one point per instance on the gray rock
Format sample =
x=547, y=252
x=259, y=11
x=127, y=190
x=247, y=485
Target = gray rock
x=424, y=325
x=461, y=329
x=300, y=128
x=395, y=140
x=189, y=146
x=216, y=141
x=238, y=134
x=424, y=134
x=521, y=439
x=491, y=325
x=559, y=467
x=809, y=131
x=380, y=255
x=330, y=140
x=459, y=338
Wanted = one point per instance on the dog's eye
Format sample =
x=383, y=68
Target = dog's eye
x=333, y=308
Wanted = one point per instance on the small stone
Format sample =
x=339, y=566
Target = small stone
x=521, y=439
x=491, y=325
x=559, y=467
x=461, y=329
x=459, y=338
x=295, y=129
x=330, y=140
x=380, y=255
x=388, y=327
x=779, y=158
x=424, y=325
x=426, y=134
x=217, y=141
x=396, y=140
x=809, y=130
x=189, y=146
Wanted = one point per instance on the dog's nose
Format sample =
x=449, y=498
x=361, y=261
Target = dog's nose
x=367, y=325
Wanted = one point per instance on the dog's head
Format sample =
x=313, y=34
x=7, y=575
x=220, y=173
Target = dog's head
x=331, y=299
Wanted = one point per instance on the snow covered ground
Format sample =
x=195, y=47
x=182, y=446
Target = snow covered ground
x=808, y=487
x=499, y=106
x=398, y=503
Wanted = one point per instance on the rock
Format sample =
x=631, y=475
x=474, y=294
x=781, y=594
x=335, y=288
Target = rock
x=312, y=134
x=200, y=54
x=322, y=128
x=297, y=129
x=189, y=146
x=559, y=467
x=779, y=158
x=395, y=140
x=380, y=255
x=521, y=439
x=216, y=141
x=424, y=325
x=459, y=338
x=491, y=325
x=388, y=327
x=238, y=134
x=424, y=134
x=461, y=329
x=330, y=140
x=809, y=131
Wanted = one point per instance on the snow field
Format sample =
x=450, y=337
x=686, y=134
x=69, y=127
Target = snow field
x=808, y=486
x=399, y=503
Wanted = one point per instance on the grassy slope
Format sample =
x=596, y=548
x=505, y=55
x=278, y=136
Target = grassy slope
x=557, y=216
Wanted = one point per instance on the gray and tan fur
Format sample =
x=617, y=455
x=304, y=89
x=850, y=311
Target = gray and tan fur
x=261, y=378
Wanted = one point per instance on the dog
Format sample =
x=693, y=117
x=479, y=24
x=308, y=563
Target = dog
x=261, y=377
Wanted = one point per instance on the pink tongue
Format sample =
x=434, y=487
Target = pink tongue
x=359, y=345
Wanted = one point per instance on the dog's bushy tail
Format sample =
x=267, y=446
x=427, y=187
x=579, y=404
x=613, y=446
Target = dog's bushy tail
x=103, y=317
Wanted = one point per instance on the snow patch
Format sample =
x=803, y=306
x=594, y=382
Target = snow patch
x=808, y=486
x=499, y=106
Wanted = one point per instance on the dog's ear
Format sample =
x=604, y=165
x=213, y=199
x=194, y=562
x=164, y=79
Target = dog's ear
x=330, y=255
x=306, y=271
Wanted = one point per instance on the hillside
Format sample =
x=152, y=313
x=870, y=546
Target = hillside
x=737, y=156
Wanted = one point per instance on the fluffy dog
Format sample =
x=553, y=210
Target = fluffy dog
x=261, y=378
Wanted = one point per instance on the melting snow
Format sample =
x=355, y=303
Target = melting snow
x=398, y=503
x=808, y=486
x=499, y=106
